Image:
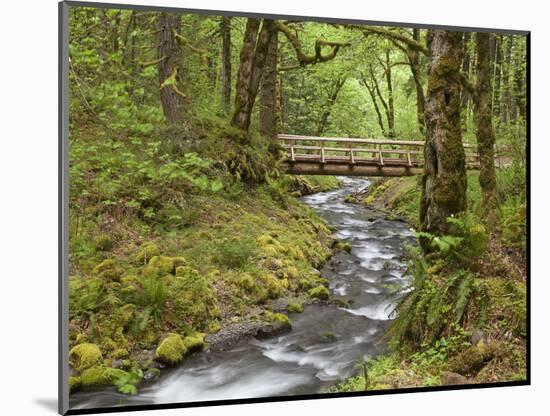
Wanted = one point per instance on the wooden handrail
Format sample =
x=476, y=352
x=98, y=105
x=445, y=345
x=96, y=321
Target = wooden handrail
x=419, y=143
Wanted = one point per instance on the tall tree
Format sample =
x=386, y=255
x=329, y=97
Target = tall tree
x=484, y=126
x=225, y=30
x=269, y=120
x=444, y=180
x=333, y=91
x=252, y=60
x=173, y=90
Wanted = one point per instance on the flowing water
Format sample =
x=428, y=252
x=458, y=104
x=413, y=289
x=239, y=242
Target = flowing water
x=326, y=341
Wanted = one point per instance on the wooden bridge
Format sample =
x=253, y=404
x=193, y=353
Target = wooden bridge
x=308, y=155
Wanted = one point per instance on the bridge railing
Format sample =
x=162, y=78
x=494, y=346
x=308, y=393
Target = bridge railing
x=361, y=151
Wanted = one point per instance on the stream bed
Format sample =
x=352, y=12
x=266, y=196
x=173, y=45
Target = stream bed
x=326, y=341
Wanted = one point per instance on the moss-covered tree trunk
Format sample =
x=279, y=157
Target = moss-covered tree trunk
x=225, y=31
x=484, y=127
x=173, y=91
x=268, y=92
x=253, y=56
x=444, y=181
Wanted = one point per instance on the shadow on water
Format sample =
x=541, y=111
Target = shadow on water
x=326, y=340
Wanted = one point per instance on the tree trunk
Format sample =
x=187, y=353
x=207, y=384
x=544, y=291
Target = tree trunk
x=173, y=90
x=484, y=127
x=414, y=60
x=390, y=113
x=268, y=93
x=444, y=181
x=225, y=30
x=506, y=105
x=253, y=56
x=497, y=76
x=338, y=84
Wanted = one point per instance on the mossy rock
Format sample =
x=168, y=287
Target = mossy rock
x=146, y=252
x=343, y=246
x=100, y=375
x=120, y=353
x=471, y=360
x=306, y=284
x=213, y=327
x=84, y=356
x=74, y=383
x=103, y=243
x=280, y=319
x=319, y=292
x=327, y=337
x=172, y=350
x=194, y=343
x=295, y=307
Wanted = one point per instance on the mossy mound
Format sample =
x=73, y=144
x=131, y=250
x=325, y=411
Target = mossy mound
x=295, y=307
x=319, y=292
x=103, y=243
x=194, y=343
x=84, y=356
x=74, y=383
x=107, y=271
x=100, y=375
x=159, y=266
x=172, y=350
x=146, y=252
x=471, y=360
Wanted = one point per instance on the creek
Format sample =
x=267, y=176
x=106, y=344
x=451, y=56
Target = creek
x=326, y=340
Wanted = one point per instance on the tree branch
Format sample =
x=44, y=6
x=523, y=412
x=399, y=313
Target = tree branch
x=304, y=58
x=391, y=35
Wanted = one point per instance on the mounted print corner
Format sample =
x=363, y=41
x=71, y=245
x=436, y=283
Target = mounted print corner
x=260, y=208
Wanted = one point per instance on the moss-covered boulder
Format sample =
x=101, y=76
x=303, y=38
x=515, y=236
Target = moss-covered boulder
x=120, y=353
x=194, y=343
x=171, y=350
x=471, y=360
x=276, y=323
x=295, y=307
x=84, y=356
x=319, y=292
x=146, y=252
x=74, y=383
x=343, y=246
x=100, y=375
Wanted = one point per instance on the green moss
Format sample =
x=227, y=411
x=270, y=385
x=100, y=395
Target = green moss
x=295, y=307
x=74, y=383
x=343, y=245
x=159, y=266
x=194, y=343
x=105, y=265
x=120, y=353
x=281, y=320
x=319, y=292
x=84, y=356
x=470, y=361
x=103, y=243
x=100, y=375
x=146, y=252
x=172, y=350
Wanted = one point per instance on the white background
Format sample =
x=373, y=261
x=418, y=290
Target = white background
x=28, y=204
